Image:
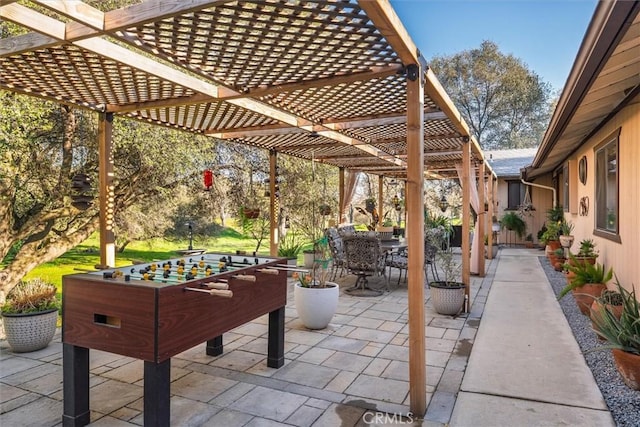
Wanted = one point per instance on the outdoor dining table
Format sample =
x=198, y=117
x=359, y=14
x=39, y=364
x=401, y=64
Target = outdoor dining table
x=393, y=245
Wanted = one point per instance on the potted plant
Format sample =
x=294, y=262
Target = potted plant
x=623, y=336
x=494, y=247
x=447, y=295
x=290, y=247
x=588, y=283
x=528, y=241
x=566, y=236
x=610, y=300
x=586, y=253
x=513, y=222
x=551, y=237
x=385, y=231
x=30, y=314
x=316, y=298
x=558, y=259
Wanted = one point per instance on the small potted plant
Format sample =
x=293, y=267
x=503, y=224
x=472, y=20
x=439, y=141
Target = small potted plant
x=588, y=283
x=30, y=314
x=623, y=335
x=558, y=259
x=566, y=236
x=315, y=297
x=494, y=247
x=610, y=300
x=586, y=252
x=447, y=295
x=528, y=241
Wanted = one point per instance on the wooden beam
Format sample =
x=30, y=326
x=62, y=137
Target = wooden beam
x=76, y=10
x=341, y=195
x=490, y=218
x=381, y=13
x=415, y=243
x=33, y=20
x=273, y=223
x=373, y=73
x=17, y=45
x=482, y=220
x=437, y=93
x=465, y=183
x=106, y=191
x=380, y=198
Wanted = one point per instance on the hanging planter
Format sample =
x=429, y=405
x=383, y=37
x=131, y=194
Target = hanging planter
x=250, y=213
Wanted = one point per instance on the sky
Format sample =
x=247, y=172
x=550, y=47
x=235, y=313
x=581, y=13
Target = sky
x=544, y=34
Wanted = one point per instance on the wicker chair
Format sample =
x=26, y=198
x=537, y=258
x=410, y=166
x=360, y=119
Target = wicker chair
x=365, y=257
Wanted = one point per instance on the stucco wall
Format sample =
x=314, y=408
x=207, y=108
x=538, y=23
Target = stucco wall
x=624, y=257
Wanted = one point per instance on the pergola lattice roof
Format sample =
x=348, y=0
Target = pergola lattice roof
x=314, y=79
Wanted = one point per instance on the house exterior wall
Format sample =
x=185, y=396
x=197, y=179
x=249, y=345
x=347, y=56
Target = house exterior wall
x=542, y=201
x=623, y=256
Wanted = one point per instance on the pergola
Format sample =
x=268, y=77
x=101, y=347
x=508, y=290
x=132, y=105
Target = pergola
x=334, y=81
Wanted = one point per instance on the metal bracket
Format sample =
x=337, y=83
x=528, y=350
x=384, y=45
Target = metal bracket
x=412, y=72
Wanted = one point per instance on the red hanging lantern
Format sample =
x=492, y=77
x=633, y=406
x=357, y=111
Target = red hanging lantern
x=208, y=179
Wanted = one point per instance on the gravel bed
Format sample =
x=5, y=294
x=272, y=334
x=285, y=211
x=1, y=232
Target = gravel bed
x=623, y=402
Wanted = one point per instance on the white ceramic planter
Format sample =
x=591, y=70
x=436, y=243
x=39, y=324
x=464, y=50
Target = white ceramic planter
x=566, y=241
x=316, y=306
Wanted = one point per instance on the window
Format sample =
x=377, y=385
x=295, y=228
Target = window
x=607, y=207
x=516, y=193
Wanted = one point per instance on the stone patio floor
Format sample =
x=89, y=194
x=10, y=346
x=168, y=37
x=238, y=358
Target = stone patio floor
x=349, y=374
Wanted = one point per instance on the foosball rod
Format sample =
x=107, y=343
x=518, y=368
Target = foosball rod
x=284, y=267
x=213, y=292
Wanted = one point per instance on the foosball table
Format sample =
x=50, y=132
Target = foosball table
x=154, y=311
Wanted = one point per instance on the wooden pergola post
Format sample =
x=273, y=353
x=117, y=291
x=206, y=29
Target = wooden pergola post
x=490, y=218
x=341, y=206
x=415, y=238
x=106, y=191
x=482, y=219
x=380, y=199
x=273, y=201
x=466, y=223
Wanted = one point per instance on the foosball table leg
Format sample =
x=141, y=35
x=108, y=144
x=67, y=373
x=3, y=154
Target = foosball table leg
x=157, y=393
x=275, y=351
x=214, y=346
x=75, y=373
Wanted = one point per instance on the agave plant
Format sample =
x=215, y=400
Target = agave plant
x=585, y=273
x=622, y=333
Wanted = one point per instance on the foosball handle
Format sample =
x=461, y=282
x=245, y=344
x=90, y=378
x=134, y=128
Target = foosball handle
x=245, y=277
x=269, y=271
x=218, y=285
x=221, y=293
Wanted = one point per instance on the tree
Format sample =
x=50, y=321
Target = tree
x=505, y=104
x=44, y=145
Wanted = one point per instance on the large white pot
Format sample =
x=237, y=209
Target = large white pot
x=316, y=306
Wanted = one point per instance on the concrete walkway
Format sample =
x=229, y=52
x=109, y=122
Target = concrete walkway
x=526, y=364
x=500, y=365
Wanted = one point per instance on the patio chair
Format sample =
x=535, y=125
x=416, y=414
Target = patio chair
x=337, y=252
x=401, y=262
x=365, y=257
